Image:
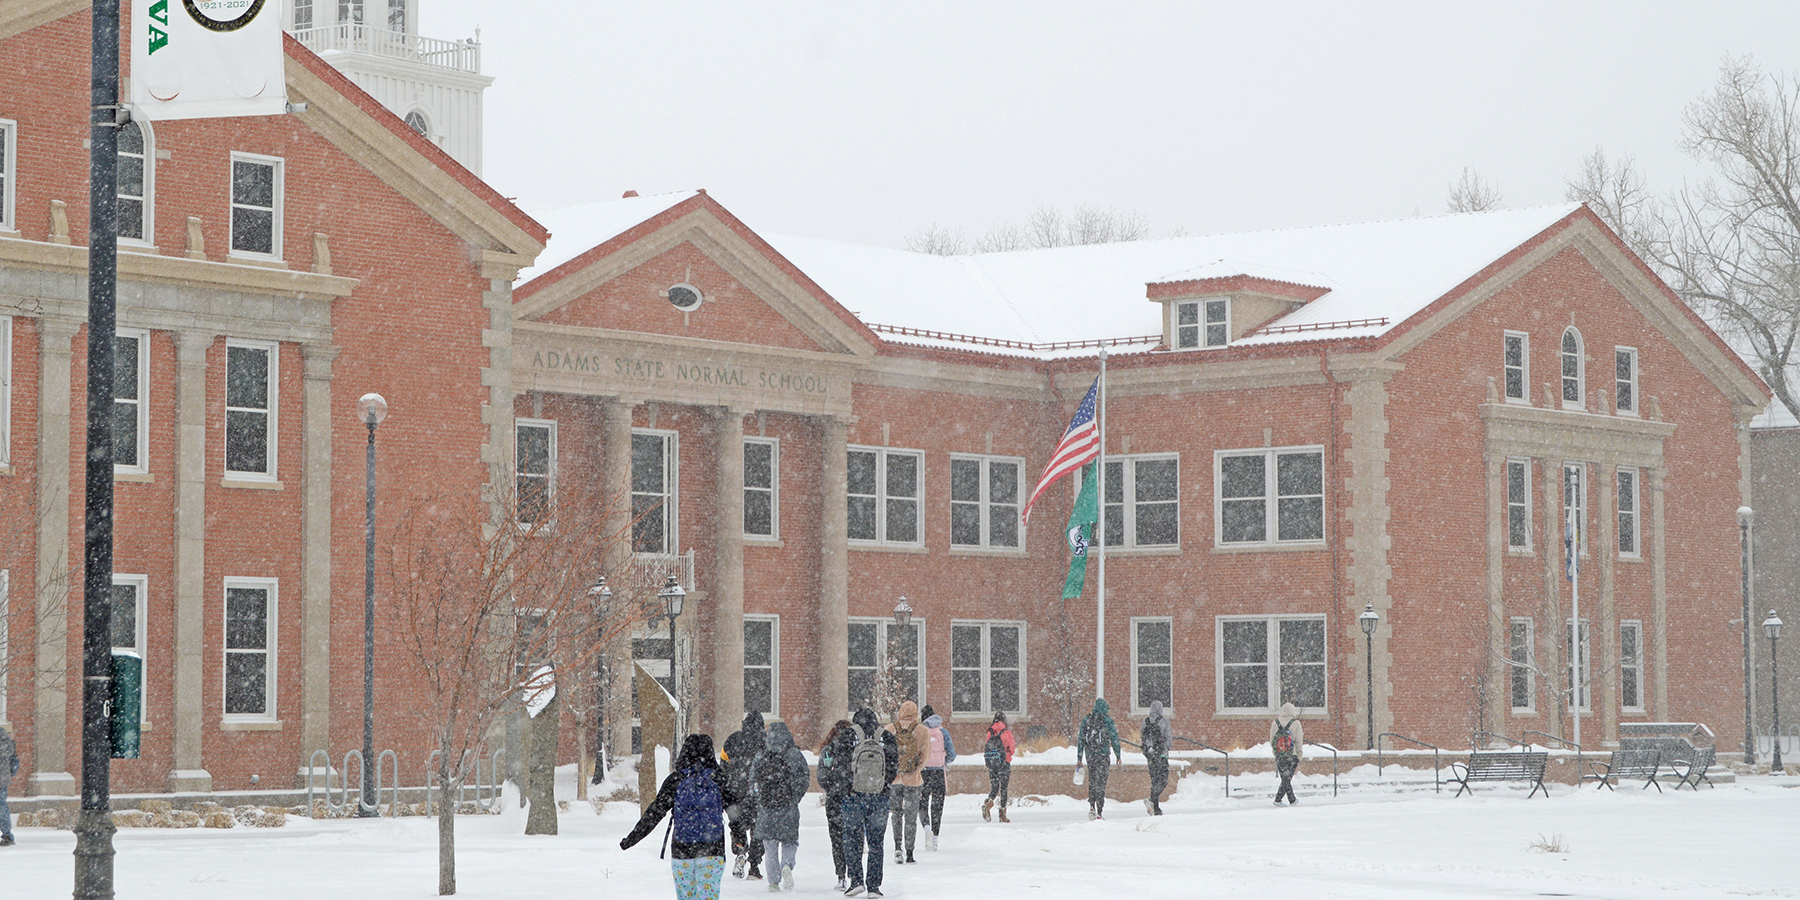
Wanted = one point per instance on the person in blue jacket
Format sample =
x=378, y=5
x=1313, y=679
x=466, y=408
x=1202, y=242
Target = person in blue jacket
x=939, y=753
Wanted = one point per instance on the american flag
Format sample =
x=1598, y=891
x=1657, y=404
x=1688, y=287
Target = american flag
x=1079, y=446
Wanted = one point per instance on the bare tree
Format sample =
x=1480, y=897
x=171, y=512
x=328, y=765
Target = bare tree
x=1046, y=227
x=1473, y=194
x=1070, y=683
x=1616, y=191
x=938, y=241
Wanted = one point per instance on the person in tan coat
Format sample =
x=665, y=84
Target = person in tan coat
x=909, y=779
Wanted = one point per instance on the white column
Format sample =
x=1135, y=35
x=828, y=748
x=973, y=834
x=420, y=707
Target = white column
x=55, y=567
x=728, y=574
x=315, y=552
x=834, y=571
x=188, y=772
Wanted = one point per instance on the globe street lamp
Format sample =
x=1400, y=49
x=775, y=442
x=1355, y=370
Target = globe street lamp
x=600, y=597
x=1369, y=620
x=1772, y=628
x=371, y=409
x=672, y=597
x=1745, y=516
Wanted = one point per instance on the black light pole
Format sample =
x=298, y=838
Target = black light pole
x=902, y=620
x=1745, y=516
x=1368, y=620
x=672, y=596
x=371, y=409
x=1772, y=627
x=94, y=827
x=600, y=596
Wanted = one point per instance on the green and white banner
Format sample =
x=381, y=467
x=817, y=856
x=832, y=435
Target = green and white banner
x=1081, y=531
x=200, y=59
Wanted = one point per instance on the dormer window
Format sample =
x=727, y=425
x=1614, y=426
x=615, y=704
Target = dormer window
x=1203, y=323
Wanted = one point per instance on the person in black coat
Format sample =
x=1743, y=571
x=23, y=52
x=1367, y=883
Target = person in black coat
x=864, y=814
x=699, y=865
x=9, y=767
x=740, y=751
x=834, y=780
x=779, y=781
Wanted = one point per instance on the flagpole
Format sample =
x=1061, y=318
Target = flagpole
x=1575, y=608
x=1099, y=545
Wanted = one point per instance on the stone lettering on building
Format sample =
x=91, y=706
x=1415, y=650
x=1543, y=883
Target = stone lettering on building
x=682, y=371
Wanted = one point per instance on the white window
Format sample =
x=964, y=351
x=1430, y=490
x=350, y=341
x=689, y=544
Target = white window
x=303, y=15
x=878, y=647
x=256, y=199
x=1628, y=513
x=1524, y=667
x=762, y=665
x=1203, y=323
x=1575, y=506
x=984, y=501
x=128, y=627
x=1573, y=367
x=1631, y=666
x=885, y=487
x=6, y=359
x=987, y=667
x=1265, y=661
x=1625, y=378
x=250, y=419
x=1141, y=501
x=1518, y=504
x=396, y=16
x=136, y=172
x=1580, y=691
x=250, y=617
x=535, y=459
x=653, y=492
x=1152, y=663
x=1515, y=364
x=762, y=488
x=131, y=409
x=9, y=162
x=1274, y=496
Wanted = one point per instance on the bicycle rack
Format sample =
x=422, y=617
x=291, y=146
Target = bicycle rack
x=495, y=781
x=1205, y=746
x=343, y=791
x=1437, y=777
x=1334, y=764
x=312, y=780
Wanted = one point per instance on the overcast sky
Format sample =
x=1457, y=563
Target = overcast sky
x=868, y=122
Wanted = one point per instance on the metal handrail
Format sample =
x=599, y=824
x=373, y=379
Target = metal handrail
x=1475, y=739
x=1437, y=777
x=1334, y=764
x=1564, y=743
x=1205, y=746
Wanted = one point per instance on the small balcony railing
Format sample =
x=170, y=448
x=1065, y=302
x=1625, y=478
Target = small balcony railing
x=461, y=55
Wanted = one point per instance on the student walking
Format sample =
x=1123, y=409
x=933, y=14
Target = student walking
x=697, y=794
x=1097, y=735
x=940, y=753
x=873, y=757
x=1154, y=738
x=740, y=749
x=1288, y=740
x=9, y=764
x=834, y=780
x=779, y=779
x=997, y=752
x=912, y=738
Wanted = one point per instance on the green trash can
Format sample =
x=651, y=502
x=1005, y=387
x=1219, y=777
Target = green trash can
x=127, y=701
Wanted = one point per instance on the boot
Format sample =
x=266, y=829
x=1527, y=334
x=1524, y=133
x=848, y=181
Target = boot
x=1003, y=817
x=987, y=809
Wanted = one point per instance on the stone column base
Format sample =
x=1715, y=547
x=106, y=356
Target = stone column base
x=51, y=784
x=184, y=781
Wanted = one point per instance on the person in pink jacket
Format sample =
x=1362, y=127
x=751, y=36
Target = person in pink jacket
x=998, y=753
x=941, y=753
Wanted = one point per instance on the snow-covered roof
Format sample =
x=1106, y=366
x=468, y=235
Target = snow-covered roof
x=1776, y=415
x=1032, y=298
x=575, y=230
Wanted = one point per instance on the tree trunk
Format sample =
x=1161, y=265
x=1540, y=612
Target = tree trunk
x=584, y=764
x=448, y=792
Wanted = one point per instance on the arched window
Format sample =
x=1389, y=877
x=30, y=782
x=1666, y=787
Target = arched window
x=136, y=160
x=416, y=121
x=1572, y=396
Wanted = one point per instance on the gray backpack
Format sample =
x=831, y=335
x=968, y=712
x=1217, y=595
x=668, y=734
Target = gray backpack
x=868, y=763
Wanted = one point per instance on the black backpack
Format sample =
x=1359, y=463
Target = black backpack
x=772, y=781
x=995, y=752
x=1153, y=740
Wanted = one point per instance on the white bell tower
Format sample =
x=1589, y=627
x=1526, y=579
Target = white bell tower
x=434, y=85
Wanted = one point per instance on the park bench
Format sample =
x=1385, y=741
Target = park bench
x=1693, y=771
x=1687, y=748
x=1505, y=765
x=1627, y=765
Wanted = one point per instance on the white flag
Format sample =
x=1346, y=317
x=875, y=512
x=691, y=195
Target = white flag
x=199, y=59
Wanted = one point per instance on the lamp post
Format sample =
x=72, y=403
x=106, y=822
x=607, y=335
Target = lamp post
x=903, y=612
x=371, y=409
x=1772, y=628
x=672, y=597
x=1369, y=620
x=1745, y=515
x=600, y=597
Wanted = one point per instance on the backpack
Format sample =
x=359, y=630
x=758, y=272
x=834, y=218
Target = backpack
x=1283, y=742
x=911, y=754
x=698, y=807
x=868, y=763
x=995, y=752
x=772, y=781
x=1152, y=739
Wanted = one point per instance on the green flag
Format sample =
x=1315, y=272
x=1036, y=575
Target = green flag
x=1081, y=531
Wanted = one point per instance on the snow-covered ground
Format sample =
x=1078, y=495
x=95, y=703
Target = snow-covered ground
x=1371, y=842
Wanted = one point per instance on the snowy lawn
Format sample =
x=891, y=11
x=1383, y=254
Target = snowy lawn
x=1371, y=842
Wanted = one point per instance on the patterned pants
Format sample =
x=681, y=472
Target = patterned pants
x=698, y=879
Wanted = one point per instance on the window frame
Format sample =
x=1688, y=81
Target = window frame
x=1271, y=487
x=882, y=625
x=1138, y=664
x=1128, y=502
x=671, y=493
x=1578, y=380
x=1273, y=636
x=270, y=651
x=142, y=445
x=1520, y=509
x=986, y=669
x=774, y=665
x=277, y=200
x=1522, y=672
x=773, y=489
x=1629, y=502
x=1628, y=384
x=147, y=200
x=1524, y=367
x=986, y=506
x=273, y=412
x=1634, y=665
x=140, y=585
x=9, y=174
x=548, y=476
x=882, y=499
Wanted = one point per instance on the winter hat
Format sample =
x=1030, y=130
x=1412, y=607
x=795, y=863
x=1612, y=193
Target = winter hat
x=696, y=752
x=753, y=721
x=1000, y=717
x=1156, y=709
x=927, y=712
x=1289, y=712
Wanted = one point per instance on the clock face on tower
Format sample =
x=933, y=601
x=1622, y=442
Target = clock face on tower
x=223, y=15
